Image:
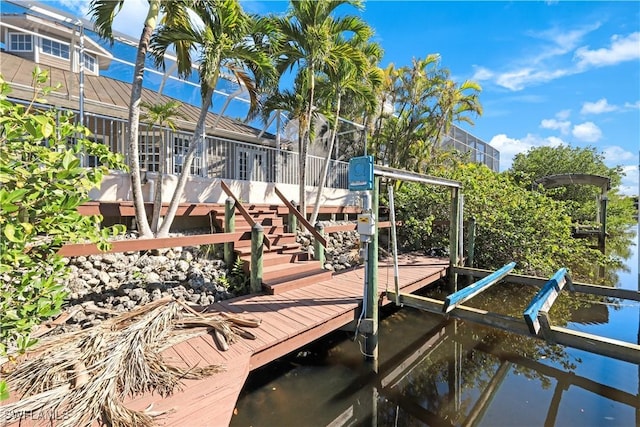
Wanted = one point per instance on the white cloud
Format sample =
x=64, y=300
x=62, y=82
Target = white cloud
x=562, y=126
x=509, y=147
x=629, y=184
x=634, y=106
x=521, y=78
x=615, y=155
x=621, y=49
x=563, y=114
x=482, y=74
x=598, y=107
x=130, y=19
x=562, y=41
x=80, y=8
x=587, y=132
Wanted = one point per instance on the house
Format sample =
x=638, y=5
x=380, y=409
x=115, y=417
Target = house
x=249, y=159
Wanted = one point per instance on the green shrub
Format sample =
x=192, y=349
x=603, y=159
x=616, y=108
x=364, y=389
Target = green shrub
x=513, y=223
x=43, y=184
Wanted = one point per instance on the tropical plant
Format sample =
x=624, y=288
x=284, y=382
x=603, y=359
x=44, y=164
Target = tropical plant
x=174, y=12
x=360, y=78
x=308, y=41
x=43, y=184
x=582, y=200
x=224, y=40
x=160, y=115
x=423, y=102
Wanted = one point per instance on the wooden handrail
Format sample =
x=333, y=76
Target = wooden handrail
x=245, y=214
x=302, y=219
x=85, y=249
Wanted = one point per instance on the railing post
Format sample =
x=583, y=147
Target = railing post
x=454, y=236
x=292, y=220
x=229, y=227
x=471, y=245
x=318, y=249
x=257, y=237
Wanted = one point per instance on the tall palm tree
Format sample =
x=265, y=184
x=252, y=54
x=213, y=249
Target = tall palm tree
x=308, y=32
x=360, y=78
x=103, y=12
x=426, y=103
x=454, y=104
x=223, y=41
x=161, y=115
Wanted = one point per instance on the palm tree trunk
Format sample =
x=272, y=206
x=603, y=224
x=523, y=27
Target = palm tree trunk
x=157, y=196
x=306, y=141
x=134, y=120
x=325, y=167
x=198, y=138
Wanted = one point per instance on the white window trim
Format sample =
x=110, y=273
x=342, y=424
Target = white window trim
x=95, y=63
x=51, y=54
x=10, y=47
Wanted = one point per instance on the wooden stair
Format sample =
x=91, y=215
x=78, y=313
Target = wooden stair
x=285, y=265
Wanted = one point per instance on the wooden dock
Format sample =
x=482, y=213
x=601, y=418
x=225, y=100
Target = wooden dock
x=290, y=320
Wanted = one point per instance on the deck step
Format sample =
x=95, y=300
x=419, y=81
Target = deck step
x=296, y=281
x=244, y=247
x=283, y=271
x=275, y=258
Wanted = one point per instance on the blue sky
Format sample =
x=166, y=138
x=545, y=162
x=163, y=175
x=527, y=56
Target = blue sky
x=552, y=72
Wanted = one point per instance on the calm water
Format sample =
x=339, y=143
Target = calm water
x=440, y=372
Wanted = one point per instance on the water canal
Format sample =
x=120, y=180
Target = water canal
x=440, y=372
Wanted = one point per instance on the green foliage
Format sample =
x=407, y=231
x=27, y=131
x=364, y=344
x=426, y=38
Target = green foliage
x=43, y=183
x=238, y=280
x=426, y=103
x=513, y=223
x=581, y=200
x=544, y=161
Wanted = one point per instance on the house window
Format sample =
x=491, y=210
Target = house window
x=55, y=48
x=149, y=152
x=89, y=62
x=20, y=42
x=180, y=150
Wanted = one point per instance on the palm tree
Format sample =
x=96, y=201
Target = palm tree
x=223, y=40
x=309, y=32
x=161, y=115
x=426, y=103
x=453, y=104
x=360, y=78
x=103, y=12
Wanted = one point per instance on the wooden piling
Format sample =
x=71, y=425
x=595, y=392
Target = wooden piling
x=454, y=236
x=229, y=227
x=257, y=248
x=318, y=247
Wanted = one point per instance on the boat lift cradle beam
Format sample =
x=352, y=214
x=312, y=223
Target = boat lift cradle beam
x=464, y=294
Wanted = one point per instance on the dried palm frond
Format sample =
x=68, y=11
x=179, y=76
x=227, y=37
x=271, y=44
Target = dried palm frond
x=87, y=374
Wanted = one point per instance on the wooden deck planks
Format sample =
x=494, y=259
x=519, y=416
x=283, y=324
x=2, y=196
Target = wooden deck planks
x=290, y=320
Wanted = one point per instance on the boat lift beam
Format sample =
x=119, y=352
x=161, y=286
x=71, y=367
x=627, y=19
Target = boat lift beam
x=464, y=294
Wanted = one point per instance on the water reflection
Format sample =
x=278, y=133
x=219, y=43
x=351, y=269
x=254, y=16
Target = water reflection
x=444, y=372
